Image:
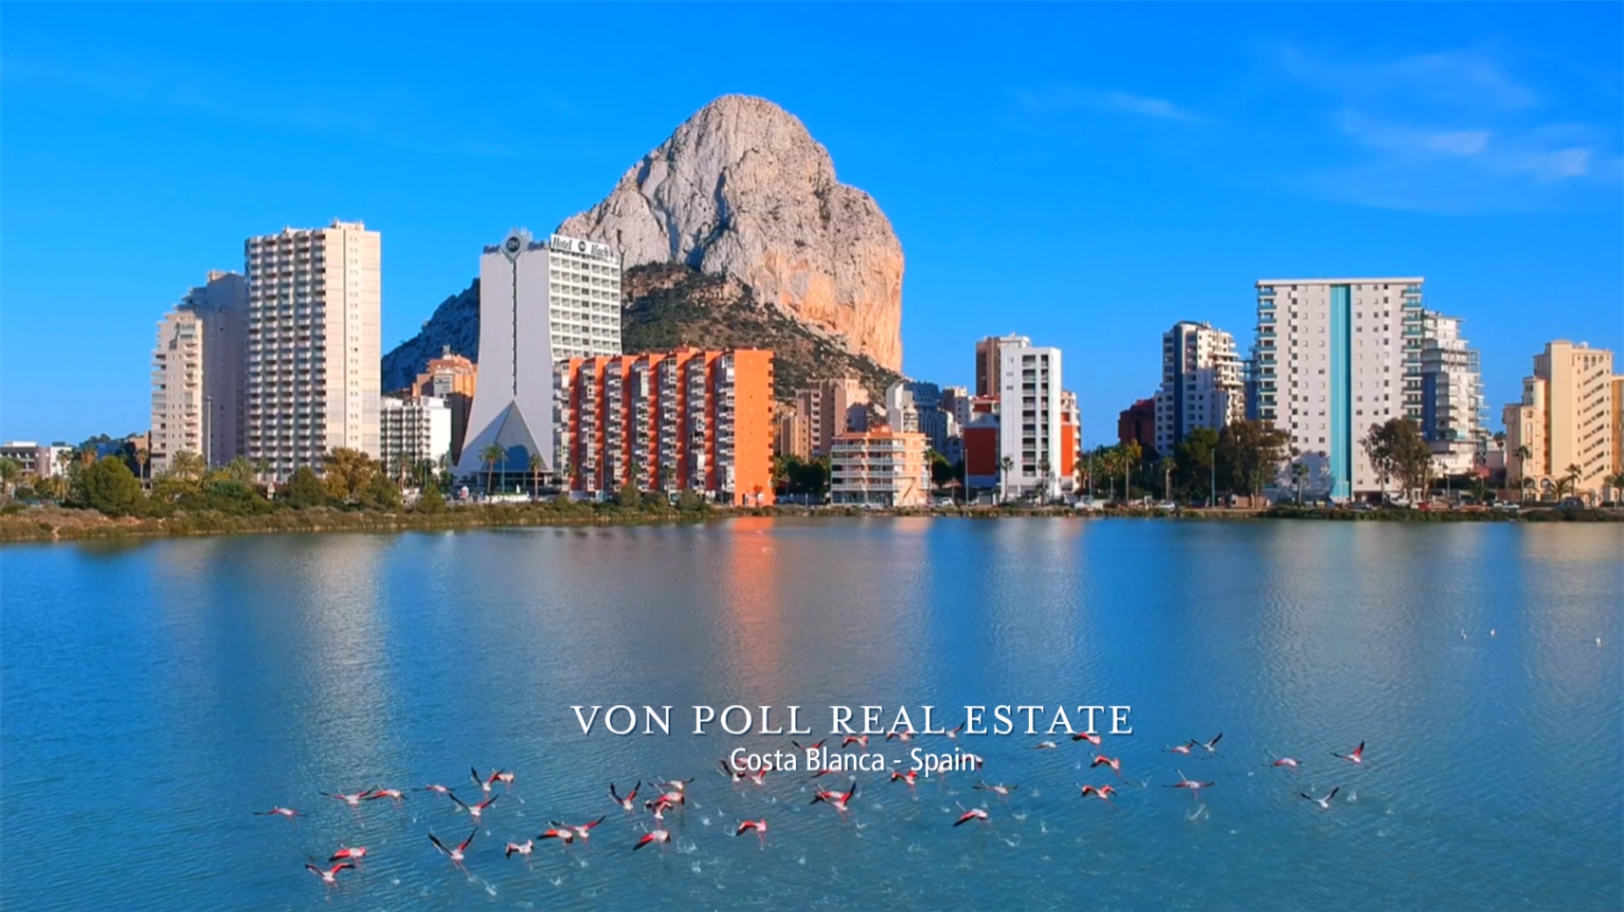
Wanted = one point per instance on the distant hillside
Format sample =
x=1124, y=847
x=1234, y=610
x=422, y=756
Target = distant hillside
x=455, y=323
x=669, y=305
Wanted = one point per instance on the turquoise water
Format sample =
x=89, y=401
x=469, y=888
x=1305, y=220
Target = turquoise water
x=156, y=694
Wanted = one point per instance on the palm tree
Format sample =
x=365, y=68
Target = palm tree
x=9, y=470
x=1299, y=471
x=141, y=457
x=1043, y=466
x=1004, y=466
x=535, y=466
x=492, y=455
x=1617, y=481
x=1575, y=472
x=1168, y=467
x=1523, y=454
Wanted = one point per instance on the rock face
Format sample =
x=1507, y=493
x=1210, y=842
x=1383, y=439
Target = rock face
x=741, y=189
x=455, y=323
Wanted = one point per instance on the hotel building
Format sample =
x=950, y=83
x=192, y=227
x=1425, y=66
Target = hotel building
x=1333, y=358
x=880, y=467
x=688, y=420
x=539, y=304
x=1565, y=419
x=1451, y=394
x=988, y=354
x=312, y=379
x=205, y=338
x=1201, y=383
x=413, y=430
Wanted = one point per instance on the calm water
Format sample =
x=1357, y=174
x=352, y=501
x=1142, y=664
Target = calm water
x=155, y=694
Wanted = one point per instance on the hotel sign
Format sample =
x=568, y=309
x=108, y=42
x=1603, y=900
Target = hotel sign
x=593, y=249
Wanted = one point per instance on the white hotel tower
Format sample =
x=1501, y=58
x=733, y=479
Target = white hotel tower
x=1201, y=383
x=314, y=311
x=538, y=304
x=1333, y=358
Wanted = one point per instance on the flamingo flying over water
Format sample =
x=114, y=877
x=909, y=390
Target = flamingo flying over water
x=840, y=801
x=759, y=826
x=460, y=852
x=626, y=802
x=476, y=811
x=328, y=877
x=279, y=811
x=1324, y=803
x=1358, y=755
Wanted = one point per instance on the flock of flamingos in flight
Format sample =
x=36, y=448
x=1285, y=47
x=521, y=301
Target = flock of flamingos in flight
x=670, y=797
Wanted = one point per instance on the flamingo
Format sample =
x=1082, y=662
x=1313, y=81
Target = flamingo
x=1288, y=762
x=954, y=732
x=559, y=832
x=352, y=799
x=1187, y=783
x=1115, y=763
x=904, y=735
x=728, y=770
x=1181, y=748
x=476, y=811
x=998, y=789
x=1210, y=747
x=971, y=814
x=1358, y=755
x=674, y=786
x=1088, y=736
x=1102, y=792
x=1324, y=803
x=1046, y=746
x=519, y=848
x=859, y=740
x=329, y=876
x=440, y=789
x=655, y=835
x=460, y=852
x=348, y=853
x=279, y=811
x=840, y=801
x=484, y=784
x=760, y=826
x=582, y=832
x=626, y=802
x=910, y=777
x=816, y=745
x=393, y=794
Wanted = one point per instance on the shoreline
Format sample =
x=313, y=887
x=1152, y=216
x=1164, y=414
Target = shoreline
x=47, y=525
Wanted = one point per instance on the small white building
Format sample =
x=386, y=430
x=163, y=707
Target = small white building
x=413, y=430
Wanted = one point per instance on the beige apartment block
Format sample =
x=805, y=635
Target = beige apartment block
x=314, y=312
x=1566, y=419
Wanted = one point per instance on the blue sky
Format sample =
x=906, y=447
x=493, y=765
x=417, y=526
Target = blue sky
x=1082, y=174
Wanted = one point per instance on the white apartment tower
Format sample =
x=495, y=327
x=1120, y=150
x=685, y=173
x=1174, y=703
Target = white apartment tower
x=205, y=338
x=1201, y=383
x=314, y=311
x=177, y=388
x=1030, y=416
x=538, y=304
x=413, y=430
x=1334, y=357
x=1451, y=393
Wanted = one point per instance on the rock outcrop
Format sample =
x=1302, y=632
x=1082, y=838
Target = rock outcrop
x=455, y=323
x=741, y=189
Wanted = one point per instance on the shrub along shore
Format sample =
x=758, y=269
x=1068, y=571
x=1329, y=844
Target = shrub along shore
x=44, y=524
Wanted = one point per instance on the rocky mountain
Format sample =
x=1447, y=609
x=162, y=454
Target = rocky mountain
x=455, y=323
x=741, y=189
x=672, y=304
x=735, y=234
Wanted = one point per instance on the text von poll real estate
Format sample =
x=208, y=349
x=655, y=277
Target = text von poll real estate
x=861, y=720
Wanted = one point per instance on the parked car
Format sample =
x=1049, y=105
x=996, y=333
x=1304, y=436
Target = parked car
x=1167, y=505
x=1088, y=505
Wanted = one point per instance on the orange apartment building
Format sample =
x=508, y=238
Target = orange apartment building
x=687, y=420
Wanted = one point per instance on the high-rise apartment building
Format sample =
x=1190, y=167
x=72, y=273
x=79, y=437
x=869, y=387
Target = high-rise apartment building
x=413, y=432
x=791, y=435
x=205, y=339
x=1565, y=419
x=177, y=388
x=1334, y=357
x=1451, y=394
x=687, y=420
x=539, y=304
x=1201, y=383
x=988, y=352
x=1137, y=424
x=828, y=408
x=1030, y=419
x=313, y=339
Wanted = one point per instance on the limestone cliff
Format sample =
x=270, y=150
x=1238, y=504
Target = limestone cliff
x=741, y=189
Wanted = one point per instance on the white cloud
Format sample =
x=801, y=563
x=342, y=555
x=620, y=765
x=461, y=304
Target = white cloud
x=1060, y=98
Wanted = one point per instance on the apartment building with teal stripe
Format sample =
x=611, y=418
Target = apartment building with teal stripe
x=1333, y=357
